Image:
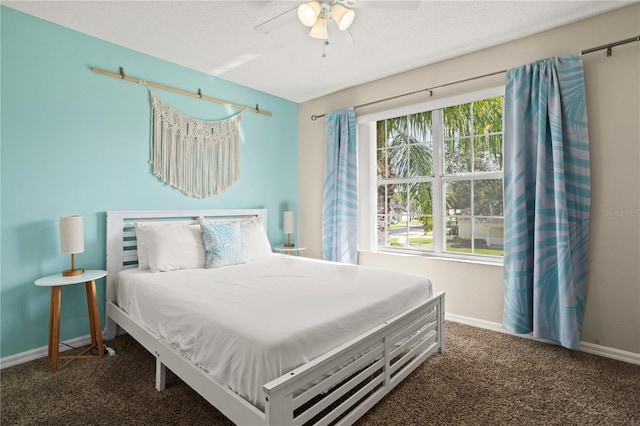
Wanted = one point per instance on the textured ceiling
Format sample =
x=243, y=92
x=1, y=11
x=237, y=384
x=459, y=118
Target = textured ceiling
x=218, y=37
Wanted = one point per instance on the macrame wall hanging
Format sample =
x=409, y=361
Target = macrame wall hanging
x=198, y=157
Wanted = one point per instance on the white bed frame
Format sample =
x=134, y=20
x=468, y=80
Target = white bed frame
x=335, y=388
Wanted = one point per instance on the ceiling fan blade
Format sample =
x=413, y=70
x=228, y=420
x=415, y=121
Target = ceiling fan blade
x=271, y=24
x=383, y=4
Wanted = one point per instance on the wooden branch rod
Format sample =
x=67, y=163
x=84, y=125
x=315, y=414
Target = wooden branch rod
x=198, y=95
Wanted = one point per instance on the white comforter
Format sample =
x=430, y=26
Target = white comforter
x=249, y=324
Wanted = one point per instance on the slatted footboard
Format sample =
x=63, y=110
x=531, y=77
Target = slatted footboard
x=350, y=379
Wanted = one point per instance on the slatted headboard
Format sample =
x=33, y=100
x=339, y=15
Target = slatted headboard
x=121, y=235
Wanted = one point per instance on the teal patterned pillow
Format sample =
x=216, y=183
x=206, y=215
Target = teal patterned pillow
x=223, y=243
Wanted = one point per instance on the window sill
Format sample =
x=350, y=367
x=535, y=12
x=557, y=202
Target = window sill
x=439, y=256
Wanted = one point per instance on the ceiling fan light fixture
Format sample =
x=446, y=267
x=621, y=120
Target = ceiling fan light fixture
x=319, y=29
x=343, y=16
x=308, y=13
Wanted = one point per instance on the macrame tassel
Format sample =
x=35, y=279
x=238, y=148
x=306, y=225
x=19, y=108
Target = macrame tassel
x=200, y=158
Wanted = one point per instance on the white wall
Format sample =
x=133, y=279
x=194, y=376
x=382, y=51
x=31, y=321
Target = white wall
x=613, y=94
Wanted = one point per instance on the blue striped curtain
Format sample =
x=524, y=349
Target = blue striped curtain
x=547, y=194
x=340, y=207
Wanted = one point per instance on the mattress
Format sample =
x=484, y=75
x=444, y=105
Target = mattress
x=251, y=323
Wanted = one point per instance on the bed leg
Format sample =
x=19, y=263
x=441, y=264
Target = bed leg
x=161, y=375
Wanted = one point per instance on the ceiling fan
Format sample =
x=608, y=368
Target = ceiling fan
x=317, y=14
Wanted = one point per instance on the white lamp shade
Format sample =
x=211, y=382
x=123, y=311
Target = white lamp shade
x=308, y=12
x=71, y=234
x=319, y=29
x=289, y=223
x=343, y=16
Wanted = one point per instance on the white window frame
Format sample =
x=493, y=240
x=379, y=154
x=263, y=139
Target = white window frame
x=367, y=176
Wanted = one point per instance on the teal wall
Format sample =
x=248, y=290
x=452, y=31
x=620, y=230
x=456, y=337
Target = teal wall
x=77, y=142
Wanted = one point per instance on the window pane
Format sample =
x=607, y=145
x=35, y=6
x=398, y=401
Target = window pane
x=384, y=217
x=451, y=225
x=420, y=233
x=488, y=152
x=457, y=156
x=398, y=216
x=421, y=216
x=419, y=128
x=487, y=197
x=399, y=161
x=421, y=161
x=459, y=237
x=415, y=160
x=487, y=115
x=419, y=134
x=457, y=121
x=383, y=230
x=458, y=197
x=457, y=146
x=399, y=199
x=392, y=215
x=421, y=199
x=382, y=163
x=383, y=197
x=381, y=140
x=392, y=132
x=489, y=236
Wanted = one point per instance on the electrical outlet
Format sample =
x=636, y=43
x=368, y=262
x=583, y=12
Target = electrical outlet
x=595, y=340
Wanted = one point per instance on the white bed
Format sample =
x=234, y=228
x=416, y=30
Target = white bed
x=275, y=340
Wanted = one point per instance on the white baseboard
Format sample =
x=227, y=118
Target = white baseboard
x=489, y=325
x=42, y=352
x=587, y=347
x=605, y=351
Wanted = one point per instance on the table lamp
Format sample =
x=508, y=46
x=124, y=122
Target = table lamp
x=289, y=227
x=72, y=241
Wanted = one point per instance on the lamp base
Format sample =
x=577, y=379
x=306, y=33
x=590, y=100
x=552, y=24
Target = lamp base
x=72, y=272
x=289, y=244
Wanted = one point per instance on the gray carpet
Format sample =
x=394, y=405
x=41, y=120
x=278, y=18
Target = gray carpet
x=483, y=378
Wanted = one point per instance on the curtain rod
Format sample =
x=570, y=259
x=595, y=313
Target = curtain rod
x=608, y=47
x=199, y=95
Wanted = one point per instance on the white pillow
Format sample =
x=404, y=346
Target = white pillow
x=256, y=243
x=169, y=246
x=142, y=230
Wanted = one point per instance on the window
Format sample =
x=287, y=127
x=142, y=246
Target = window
x=439, y=180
